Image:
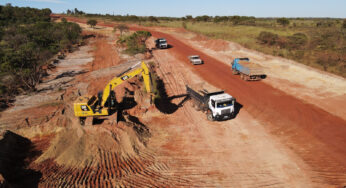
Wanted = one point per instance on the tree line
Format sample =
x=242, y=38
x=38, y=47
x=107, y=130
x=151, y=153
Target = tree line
x=28, y=39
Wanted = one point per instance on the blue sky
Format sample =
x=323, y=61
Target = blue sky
x=178, y=8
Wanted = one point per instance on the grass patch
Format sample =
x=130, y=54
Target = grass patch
x=324, y=46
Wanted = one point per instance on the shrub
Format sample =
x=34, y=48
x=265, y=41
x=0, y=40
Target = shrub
x=344, y=24
x=267, y=38
x=184, y=25
x=122, y=28
x=283, y=21
x=297, y=40
x=135, y=43
x=92, y=23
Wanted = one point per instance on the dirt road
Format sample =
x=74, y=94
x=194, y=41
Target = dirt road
x=316, y=135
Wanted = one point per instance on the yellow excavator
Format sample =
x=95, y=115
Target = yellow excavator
x=105, y=102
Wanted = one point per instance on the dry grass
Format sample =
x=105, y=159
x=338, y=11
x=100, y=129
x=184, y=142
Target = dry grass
x=311, y=54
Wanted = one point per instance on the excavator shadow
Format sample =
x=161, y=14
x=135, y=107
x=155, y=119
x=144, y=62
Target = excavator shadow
x=126, y=104
x=15, y=154
x=164, y=102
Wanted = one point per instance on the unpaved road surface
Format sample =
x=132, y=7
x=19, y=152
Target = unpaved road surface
x=317, y=136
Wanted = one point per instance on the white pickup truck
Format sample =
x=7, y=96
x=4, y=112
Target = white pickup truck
x=195, y=60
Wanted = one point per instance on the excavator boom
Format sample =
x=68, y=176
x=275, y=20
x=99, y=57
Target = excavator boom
x=85, y=106
x=125, y=76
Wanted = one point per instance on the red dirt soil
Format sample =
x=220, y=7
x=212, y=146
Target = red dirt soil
x=317, y=136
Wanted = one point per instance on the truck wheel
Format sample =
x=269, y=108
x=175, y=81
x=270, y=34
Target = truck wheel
x=210, y=116
x=234, y=72
x=246, y=77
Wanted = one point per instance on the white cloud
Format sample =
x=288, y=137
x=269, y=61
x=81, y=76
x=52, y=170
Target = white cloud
x=48, y=1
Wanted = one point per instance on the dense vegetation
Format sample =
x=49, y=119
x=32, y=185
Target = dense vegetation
x=28, y=39
x=135, y=43
x=316, y=42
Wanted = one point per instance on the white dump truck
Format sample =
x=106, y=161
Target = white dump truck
x=218, y=105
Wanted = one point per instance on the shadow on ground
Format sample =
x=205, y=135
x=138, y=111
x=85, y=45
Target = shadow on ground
x=164, y=103
x=15, y=154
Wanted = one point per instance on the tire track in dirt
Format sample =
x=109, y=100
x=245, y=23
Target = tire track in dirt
x=300, y=126
x=175, y=83
x=114, y=170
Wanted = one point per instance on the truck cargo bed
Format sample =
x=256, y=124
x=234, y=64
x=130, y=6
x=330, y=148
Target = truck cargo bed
x=249, y=68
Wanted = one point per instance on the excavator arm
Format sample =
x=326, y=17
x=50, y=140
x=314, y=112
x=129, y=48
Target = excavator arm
x=90, y=106
x=144, y=70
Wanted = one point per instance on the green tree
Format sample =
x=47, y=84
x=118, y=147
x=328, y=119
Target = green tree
x=283, y=21
x=189, y=17
x=27, y=40
x=153, y=19
x=204, y=18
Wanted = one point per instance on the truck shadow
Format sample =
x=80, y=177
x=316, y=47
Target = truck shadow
x=237, y=107
x=16, y=152
x=168, y=47
x=164, y=103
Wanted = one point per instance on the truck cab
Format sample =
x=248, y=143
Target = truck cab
x=161, y=43
x=221, y=107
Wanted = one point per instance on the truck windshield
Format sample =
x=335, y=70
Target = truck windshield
x=163, y=41
x=224, y=104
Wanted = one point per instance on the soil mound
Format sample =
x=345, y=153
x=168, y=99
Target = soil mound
x=79, y=147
